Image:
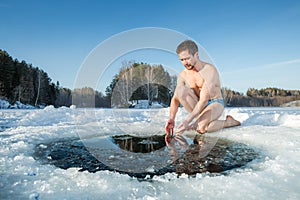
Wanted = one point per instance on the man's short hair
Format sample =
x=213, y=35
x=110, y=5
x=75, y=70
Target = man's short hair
x=189, y=45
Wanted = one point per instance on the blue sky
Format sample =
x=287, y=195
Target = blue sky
x=253, y=43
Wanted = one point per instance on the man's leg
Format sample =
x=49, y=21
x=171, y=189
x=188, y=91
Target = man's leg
x=186, y=97
x=208, y=119
x=228, y=122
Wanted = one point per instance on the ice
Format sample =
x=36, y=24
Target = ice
x=274, y=131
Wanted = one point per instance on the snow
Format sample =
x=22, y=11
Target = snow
x=18, y=105
x=144, y=104
x=4, y=104
x=275, y=131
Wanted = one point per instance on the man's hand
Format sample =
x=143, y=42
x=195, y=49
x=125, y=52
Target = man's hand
x=183, y=126
x=169, y=128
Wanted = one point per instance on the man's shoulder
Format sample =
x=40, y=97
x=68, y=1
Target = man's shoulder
x=209, y=67
x=182, y=73
x=181, y=76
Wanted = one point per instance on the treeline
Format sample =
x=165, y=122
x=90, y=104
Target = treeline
x=89, y=98
x=134, y=82
x=258, y=98
x=271, y=92
x=22, y=82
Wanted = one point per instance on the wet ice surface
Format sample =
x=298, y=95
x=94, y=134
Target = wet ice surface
x=273, y=133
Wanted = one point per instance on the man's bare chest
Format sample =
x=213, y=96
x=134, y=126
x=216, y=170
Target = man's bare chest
x=194, y=80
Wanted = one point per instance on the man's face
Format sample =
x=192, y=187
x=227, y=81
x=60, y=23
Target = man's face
x=188, y=60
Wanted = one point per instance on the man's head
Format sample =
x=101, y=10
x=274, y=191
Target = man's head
x=189, y=45
x=188, y=53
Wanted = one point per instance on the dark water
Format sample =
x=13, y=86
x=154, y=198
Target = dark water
x=133, y=155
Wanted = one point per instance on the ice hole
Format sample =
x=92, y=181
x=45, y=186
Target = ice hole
x=147, y=156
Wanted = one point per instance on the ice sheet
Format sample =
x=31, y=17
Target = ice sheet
x=274, y=130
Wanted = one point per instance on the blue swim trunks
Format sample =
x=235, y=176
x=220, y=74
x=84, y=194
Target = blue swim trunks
x=218, y=100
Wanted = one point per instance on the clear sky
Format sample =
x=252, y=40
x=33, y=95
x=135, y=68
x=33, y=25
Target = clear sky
x=253, y=43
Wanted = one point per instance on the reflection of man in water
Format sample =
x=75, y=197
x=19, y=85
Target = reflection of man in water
x=191, y=158
x=198, y=90
x=178, y=146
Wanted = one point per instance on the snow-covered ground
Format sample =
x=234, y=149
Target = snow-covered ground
x=275, y=131
x=18, y=105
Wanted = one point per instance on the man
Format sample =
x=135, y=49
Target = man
x=198, y=90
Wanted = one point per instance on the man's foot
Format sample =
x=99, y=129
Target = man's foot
x=194, y=127
x=230, y=121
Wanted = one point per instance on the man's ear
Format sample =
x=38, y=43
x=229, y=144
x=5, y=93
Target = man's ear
x=196, y=54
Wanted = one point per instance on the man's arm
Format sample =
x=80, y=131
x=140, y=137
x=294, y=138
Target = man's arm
x=201, y=104
x=174, y=101
x=170, y=124
x=169, y=128
x=173, y=108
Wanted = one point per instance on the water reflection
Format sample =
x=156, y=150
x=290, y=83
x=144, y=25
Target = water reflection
x=199, y=157
x=139, y=144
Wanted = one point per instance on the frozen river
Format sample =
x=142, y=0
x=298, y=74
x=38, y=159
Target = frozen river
x=273, y=173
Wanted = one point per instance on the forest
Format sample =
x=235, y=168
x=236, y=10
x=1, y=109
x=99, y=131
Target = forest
x=22, y=82
x=140, y=81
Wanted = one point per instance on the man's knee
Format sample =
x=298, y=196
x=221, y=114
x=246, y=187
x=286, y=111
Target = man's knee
x=182, y=92
x=202, y=128
x=179, y=90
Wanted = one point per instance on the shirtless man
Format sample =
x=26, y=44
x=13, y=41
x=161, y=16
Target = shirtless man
x=198, y=90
